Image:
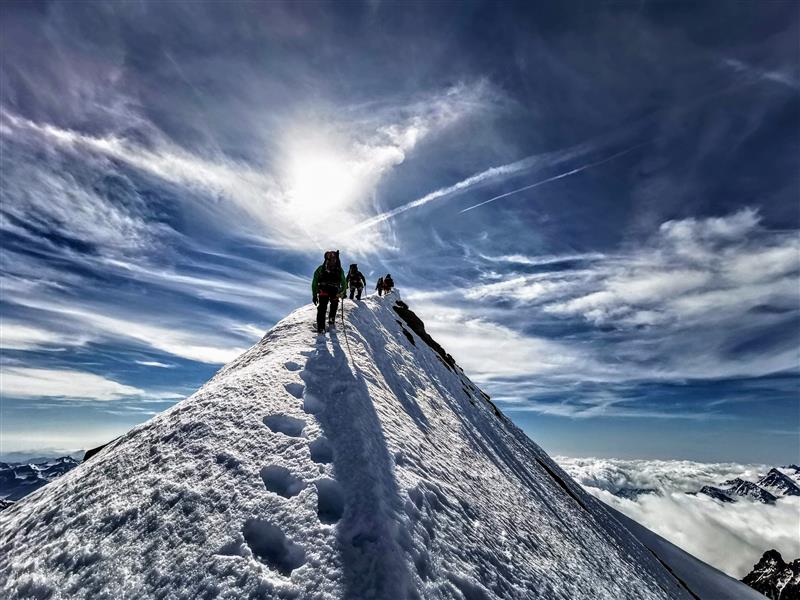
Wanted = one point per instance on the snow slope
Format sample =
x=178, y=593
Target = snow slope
x=305, y=469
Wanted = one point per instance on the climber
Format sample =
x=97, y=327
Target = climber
x=356, y=281
x=327, y=286
x=388, y=284
x=379, y=286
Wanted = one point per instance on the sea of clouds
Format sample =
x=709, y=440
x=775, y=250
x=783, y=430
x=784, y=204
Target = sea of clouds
x=731, y=537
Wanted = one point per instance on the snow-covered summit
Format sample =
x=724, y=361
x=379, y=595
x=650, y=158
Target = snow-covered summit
x=747, y=489
x=363, y=464
x=779, y=484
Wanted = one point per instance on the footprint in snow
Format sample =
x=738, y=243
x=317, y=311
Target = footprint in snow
x=280, y=481
x=271, y=546
x=285, y=424
x=295, y=389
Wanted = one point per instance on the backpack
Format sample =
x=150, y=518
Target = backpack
x=330, y=281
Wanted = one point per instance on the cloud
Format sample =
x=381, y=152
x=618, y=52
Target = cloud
x=783, y=77
x=613, y=474
x=186, y=344
x=731, y=537
x=202, y=311
x=552, y=259
x=617, y=334
x=321, y=184
x=525, y=372
x=540, y=161
x=207, y=345
x=19, y=382
x=154, y=363
x=527, y=359
x=265, y=284
x=20, y=336
x=694, y=277
x=569, y=173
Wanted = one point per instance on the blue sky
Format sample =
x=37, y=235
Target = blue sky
x=594, y=207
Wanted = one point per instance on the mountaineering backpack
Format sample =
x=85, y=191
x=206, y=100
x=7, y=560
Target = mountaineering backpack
x=354, y=277
x=330, y=282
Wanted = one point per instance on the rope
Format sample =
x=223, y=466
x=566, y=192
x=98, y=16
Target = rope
x=344, y=332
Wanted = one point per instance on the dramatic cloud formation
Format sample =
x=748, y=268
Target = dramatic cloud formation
x=732, y=537
x=595, y=212
x=319, y=188
x=696, y=283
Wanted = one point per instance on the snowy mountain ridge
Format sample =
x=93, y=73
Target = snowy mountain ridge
x=779, y=484
x=20, y=479
x=363, y=465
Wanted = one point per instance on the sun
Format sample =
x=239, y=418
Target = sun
x=320, y=183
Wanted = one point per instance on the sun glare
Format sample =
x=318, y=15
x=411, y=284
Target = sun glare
x=320, y=183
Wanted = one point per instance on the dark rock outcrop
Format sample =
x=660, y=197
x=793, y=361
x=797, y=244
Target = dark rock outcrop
x=716, y=493
x=775, y=578
x=747, y=489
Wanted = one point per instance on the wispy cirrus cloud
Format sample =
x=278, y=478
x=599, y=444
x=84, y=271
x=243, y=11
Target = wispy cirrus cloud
x=340, y=160
x=16, y=335
x=494, y=174
x=22, y=382
x=154, y=363
x=209, y=347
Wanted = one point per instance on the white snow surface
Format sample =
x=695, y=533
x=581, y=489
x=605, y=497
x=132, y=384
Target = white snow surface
x=304, y=470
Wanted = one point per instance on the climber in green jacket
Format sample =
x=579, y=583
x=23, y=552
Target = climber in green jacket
x=327, y=286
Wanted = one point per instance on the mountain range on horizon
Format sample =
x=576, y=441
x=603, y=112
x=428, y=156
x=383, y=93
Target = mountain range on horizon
x=769, y=488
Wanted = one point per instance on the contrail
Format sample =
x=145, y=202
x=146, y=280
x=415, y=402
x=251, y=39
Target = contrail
x=446, y=191
x=508, y=169
x=559, y=176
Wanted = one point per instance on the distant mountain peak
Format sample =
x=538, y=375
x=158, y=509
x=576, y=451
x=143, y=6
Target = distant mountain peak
x=779, y=484
x=716, y=493
x=775, y=578
x=17, y=480
x=747, y=489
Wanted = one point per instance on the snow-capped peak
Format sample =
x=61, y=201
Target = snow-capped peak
x=363, y=465
x=747, y=489
x=779, y=484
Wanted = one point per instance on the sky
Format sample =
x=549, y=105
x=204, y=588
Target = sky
x=593, y=206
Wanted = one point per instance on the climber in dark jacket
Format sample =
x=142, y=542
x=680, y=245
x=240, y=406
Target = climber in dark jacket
x=356, y=282
x=379, y=286
x=328, y=286
x=388, y=284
